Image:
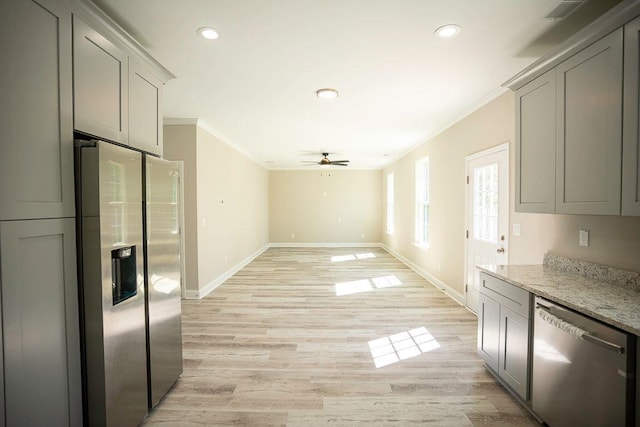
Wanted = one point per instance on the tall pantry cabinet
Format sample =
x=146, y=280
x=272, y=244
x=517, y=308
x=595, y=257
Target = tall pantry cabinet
x=40, y=366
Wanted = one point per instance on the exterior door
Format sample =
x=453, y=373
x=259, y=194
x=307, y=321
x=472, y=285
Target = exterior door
x=487, y=215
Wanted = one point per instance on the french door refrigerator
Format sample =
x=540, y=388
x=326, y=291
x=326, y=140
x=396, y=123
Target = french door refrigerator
x=124, y=325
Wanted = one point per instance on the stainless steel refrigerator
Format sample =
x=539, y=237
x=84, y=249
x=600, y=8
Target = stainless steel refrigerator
x=131, y=339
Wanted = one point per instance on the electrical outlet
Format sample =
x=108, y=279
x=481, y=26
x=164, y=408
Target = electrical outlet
x=583, y=237
x=363, y=235
x=339, y=220
x=293, y=236
x=516, y=229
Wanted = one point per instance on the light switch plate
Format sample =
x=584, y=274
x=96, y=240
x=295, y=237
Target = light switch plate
x=583, y=237
x=516, y=229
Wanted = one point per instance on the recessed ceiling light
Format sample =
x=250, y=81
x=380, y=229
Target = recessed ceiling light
x=327, y=93
x=208, y=33
x=447, y=31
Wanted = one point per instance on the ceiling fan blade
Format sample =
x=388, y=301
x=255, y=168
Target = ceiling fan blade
x=339, y=161
x=339, y=164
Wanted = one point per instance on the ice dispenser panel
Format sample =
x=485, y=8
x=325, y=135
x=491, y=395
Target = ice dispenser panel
x=123, y=274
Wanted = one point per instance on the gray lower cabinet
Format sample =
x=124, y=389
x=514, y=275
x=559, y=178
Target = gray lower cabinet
x=40, y=337
x=489, y=330
x=535, y=147
x=36, y=144
x=631, y=122
x=589, y=129
x=503, y=332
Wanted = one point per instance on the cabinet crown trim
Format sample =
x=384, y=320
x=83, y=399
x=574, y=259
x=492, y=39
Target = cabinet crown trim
x=618, y=16
x=97, y=19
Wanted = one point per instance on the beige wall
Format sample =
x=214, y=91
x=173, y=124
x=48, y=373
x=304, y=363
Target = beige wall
x=325, y=206
x=613, y=240
x=226, y=204
x=233, y=207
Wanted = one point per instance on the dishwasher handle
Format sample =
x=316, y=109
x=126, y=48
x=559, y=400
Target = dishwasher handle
x=584, y=334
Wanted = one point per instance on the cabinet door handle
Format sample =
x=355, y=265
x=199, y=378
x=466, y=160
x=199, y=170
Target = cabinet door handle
x=500, y=250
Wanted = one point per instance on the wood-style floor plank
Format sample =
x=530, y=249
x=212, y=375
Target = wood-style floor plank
x=293, y=339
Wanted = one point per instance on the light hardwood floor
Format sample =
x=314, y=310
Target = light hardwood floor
x=294, y=339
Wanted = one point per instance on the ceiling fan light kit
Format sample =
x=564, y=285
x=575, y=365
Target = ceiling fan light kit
x=325, y=162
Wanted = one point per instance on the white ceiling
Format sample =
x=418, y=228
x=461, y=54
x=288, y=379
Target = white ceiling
x=399, y=85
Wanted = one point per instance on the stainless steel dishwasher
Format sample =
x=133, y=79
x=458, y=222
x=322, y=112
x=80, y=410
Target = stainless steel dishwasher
x=583, y=370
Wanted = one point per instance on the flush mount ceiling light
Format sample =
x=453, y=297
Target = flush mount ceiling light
x=447, y=31
x=208, y=33
x=327, y=93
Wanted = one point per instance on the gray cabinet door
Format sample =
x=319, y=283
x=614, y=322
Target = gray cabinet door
x=100, y=85
x=489, y=330
x=589, y=129
x=40, y=323
x=631, y=122
x=514, y=351
x=145, y=110
x=36, y=145
x=536, y=145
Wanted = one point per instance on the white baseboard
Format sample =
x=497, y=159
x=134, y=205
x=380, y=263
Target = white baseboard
x=203, y=292
x=448, y=290
x=326, y=245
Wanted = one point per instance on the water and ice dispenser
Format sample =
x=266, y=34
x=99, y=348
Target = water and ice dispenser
x=123, y=274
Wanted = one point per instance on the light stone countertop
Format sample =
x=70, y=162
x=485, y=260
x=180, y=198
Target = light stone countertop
x=617, y=304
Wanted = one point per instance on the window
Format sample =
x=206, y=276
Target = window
x=485, y=203
x=390, y=191
x=422, y=202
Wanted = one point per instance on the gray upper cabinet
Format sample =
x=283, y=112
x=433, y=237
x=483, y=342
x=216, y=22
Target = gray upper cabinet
x=145, y=109
x=36, y=145
x=631, y=122
x=536, y=145
x=40, y=326
x=589, y=129
x=100, y=85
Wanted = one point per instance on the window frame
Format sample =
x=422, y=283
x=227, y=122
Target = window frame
x=390, y=203
x=422, y=203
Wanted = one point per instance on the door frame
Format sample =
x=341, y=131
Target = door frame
x=489, y=151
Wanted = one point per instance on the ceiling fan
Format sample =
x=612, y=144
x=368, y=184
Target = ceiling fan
x=326, y=162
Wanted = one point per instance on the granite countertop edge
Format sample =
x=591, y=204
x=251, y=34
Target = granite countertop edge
x=610, y=303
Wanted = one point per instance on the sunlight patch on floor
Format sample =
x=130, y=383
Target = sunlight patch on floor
x=352, y=257
x=365, y=285
x=404, y=345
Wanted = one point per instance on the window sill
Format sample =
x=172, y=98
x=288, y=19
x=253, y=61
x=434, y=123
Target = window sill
x=423, y=246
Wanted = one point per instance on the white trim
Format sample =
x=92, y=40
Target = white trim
x=208, y=128
x=475, y=106
x=203, y=292
x=180, y=121
x=492, y=150
x=326, y=245
x=446, y=289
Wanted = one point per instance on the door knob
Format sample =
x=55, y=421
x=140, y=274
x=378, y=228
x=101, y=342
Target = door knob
x=500, y=250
